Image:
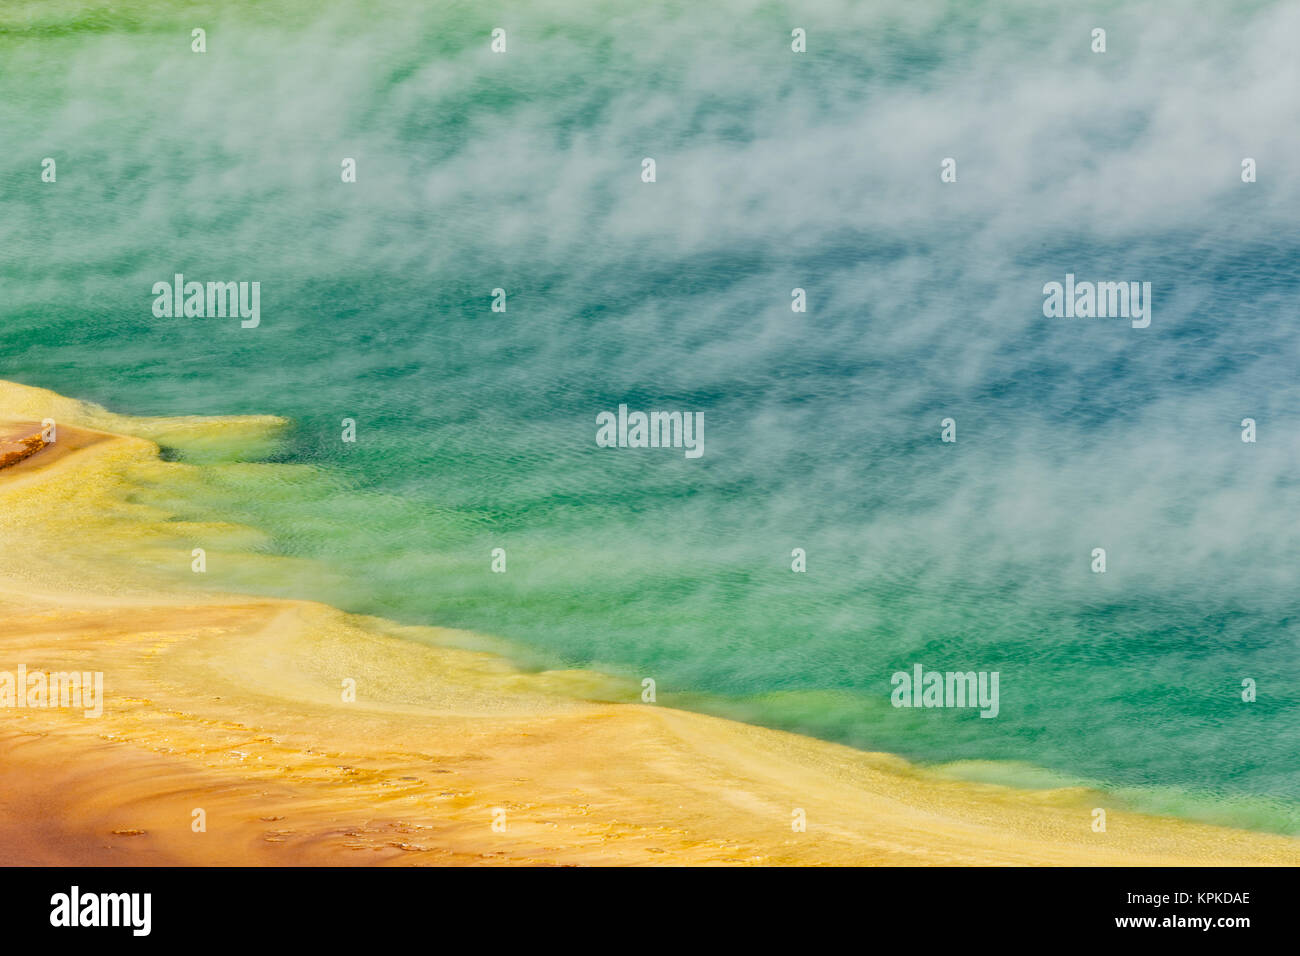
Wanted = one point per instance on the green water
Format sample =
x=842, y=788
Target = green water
x=476, y=429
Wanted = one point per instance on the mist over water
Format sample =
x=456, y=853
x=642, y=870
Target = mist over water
x=820, y=171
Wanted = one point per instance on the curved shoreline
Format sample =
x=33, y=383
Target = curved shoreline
x=232, y=705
